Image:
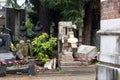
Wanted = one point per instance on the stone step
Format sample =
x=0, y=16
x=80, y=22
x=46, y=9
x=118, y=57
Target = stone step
x=71, y=63
x=74, y=63
x=78, y=69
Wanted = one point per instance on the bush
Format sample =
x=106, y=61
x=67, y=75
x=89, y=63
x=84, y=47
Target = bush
x=44, y=47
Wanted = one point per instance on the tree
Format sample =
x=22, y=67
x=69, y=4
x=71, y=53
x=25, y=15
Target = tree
x=12, y=3
x=65, y=10
x=90, y=7
x=34, y=11
x=77, y=11
x=39, y=13
x=69, y=9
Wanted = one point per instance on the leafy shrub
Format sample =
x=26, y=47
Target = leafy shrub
x=29, y=26
x=44, y=47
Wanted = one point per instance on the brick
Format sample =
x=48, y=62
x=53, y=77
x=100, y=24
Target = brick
x=110, y=9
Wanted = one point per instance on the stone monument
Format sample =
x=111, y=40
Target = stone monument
x=73, y=41
x=109, y=57
x=4, y=43
x=68, y=60
x=64, y=28
x=38, y=29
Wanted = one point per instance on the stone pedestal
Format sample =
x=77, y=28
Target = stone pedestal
x=109, y=57
x=109, y=68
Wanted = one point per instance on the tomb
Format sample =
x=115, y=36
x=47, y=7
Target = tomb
x=109, y=57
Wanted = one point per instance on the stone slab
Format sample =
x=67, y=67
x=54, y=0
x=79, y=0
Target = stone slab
x=109, y=43
x=109, y=58
x=88, y=51
x=111, y=24
x=6, y=56
x=78, y=69
x=107, y=72
x=67, y=56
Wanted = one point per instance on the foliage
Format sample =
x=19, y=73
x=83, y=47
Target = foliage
x=13, y=3
x=63, y=10
x=34, y=12
x=16, y=39
x=44, y=47
x=29, y=26
x=71, y=10
x=12, y=47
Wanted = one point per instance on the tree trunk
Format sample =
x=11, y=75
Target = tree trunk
x=87, y=25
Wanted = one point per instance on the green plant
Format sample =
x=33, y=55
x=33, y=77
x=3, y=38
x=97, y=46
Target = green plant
x=29, y=26
x=44, y=47
x=12, y=47
x=16, y=39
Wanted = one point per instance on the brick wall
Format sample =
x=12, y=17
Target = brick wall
x=110, y=9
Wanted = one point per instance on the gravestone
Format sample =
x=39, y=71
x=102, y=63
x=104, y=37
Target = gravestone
x=5, y=54
x=4, y=43
x=109, y=57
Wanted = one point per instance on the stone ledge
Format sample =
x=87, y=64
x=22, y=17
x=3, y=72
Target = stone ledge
x=107, y=72
x=109, y=58
x=78, y=69
x=108, y=32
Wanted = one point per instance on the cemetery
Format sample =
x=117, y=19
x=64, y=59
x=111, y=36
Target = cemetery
x=45, y=37
x=21, y=51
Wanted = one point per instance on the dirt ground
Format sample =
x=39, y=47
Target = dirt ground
x=87, y=76
x=51, y=75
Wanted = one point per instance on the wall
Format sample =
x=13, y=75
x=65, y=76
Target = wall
x=110, y=9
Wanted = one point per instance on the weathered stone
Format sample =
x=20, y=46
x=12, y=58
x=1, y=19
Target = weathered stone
x=5, y=43
x=109, y=68
x=107, y=72
x=87, y=51
x=109, y=58
x=67, y=56
x=2, y=21
x=6, y=57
